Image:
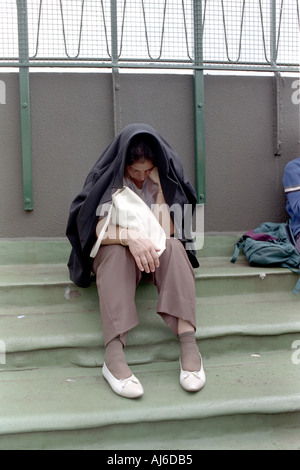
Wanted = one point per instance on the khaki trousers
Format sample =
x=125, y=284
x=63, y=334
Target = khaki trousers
x=117, y=277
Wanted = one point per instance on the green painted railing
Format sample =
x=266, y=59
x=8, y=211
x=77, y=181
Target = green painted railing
x=199, y=104
x=25, y=105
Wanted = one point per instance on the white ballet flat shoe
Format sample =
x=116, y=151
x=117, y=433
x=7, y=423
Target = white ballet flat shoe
x=128, y=388
x=192, y=381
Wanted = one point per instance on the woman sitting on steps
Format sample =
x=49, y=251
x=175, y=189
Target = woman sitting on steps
x=140, y=159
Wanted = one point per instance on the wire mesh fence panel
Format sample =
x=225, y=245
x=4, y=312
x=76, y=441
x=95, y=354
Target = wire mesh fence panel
x=9, y=50
x=288, y=27
x=156, y=30
x=257, y=33
x=69, y=31
x=232, y=34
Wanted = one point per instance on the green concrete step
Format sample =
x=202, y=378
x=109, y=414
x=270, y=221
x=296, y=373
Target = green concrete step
x=71, y=333
x=57, y=250
x=34, y=251
x=39, y=263
x=248, y=402
x=52, y=391
x=216, y=276
x=47, y=320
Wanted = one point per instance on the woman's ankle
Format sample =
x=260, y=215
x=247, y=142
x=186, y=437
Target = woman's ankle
x=184, y=326
x=189, y=352
x=115, y=360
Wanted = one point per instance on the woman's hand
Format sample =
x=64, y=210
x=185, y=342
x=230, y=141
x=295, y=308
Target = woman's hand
x=142, y=249
x=144, y=252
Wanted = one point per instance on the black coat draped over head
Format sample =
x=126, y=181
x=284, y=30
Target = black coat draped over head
x=107, y=175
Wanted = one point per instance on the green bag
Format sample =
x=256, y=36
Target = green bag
x=270, y=244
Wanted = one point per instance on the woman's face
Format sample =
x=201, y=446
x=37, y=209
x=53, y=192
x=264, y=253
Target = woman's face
x=139, y=171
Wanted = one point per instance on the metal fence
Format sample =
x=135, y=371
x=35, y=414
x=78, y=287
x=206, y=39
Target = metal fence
x=196, y=35
x=205, y=34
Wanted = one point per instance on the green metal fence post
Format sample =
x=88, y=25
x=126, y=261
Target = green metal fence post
x=199, y=114
x=277, y=80
x=25, y=105
x=115, y=69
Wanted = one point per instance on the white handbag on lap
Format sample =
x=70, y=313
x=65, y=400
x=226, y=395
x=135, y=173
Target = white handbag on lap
x=128, y=210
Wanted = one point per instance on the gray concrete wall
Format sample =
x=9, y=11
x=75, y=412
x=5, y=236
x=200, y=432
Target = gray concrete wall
x=72, y=122
x=244, y=178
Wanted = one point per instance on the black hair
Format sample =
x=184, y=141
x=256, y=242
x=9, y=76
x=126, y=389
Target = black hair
x=139, y=150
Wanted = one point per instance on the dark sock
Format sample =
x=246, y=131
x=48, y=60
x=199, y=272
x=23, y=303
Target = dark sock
x=115, y=360
x=190, y=357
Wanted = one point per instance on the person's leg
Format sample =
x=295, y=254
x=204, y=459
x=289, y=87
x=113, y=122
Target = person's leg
x=117, y=277
x=189, y=352
x=115, y=359
x=175, y=281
